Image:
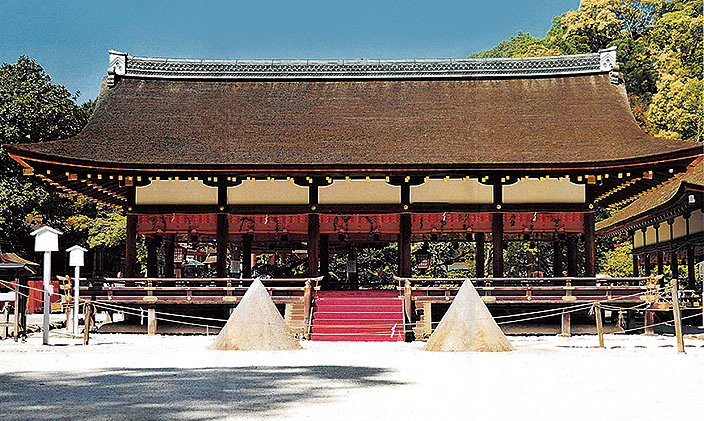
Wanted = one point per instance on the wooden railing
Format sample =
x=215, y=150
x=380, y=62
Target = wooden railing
x=194, y=290
x=532, y=290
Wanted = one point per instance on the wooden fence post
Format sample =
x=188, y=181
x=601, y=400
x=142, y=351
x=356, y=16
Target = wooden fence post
x=599, y=324
x=566, y=325
x=677, y=316
x=87, y=317
x=307, y=305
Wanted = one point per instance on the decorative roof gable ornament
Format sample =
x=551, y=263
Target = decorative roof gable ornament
x=607, y=59
x=117, y=67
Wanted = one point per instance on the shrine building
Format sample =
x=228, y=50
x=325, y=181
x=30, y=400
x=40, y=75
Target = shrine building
x=322, y=153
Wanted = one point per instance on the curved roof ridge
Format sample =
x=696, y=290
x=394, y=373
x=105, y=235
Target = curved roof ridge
x=123, y=64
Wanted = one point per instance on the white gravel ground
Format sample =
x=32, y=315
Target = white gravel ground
x=127, y=377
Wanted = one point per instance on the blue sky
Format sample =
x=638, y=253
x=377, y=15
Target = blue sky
x=71, y=39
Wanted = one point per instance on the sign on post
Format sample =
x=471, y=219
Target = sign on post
x=76, y=259
x=46, y=239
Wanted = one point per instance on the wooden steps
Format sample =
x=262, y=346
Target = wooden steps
x=358, y=316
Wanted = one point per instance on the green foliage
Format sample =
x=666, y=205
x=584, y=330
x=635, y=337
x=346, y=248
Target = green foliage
x=520, y=45
x=33, y=109
x=617, y=261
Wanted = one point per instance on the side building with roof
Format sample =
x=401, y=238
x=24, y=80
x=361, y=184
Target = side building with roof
x=666, y=226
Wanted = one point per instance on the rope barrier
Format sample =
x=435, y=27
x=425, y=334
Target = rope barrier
x=519, y=317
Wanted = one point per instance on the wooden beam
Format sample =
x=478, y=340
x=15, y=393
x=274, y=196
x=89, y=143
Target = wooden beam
x=404, y=246
x=497, y=240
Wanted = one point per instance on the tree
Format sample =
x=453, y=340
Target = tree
x=677, y=110
x=33, y=109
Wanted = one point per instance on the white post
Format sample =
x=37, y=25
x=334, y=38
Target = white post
x=76, y=259
x=76, y=297
x=46, y=239
x=46, y=297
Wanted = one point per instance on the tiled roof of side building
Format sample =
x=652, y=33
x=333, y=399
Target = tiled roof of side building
x=533, y=113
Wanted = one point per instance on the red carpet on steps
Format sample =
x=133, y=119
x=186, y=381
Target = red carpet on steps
x=358, y=316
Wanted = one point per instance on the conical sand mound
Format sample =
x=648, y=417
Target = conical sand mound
x=256, y=325
x=468, y=326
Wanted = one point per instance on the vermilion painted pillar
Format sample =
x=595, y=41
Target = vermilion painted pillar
x=497, y=240
x=152, y=245
x=404, y=246
x=674, y=264
x=661, y=262
x=169, y=263
x=572, y=255
x=691, y=280
x=223, y=228
x=557, y=259
x=313, y=244
x=324, y=259
x=589, y=245
x=247, y=255
x=131, y=247
x=479, y=264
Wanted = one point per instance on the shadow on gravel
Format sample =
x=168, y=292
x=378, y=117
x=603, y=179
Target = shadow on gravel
x=176, y=393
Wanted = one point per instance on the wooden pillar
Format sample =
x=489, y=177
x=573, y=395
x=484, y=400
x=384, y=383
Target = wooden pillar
x=131, y=247
x=151, y=321
x=661, y=262
x=658, y=253
x=247, y=255
x=404, y=246
x=599, y=324
x=572, y=255
x=674, y=268
x=632, y=236
x=352, y=276
x=152, y=244
x=324, y=259
x=223, y=228
x=691, y=280
x=589, y=245
x=648, y=268
x=557, y=259
x=479, y=264
x=497, y=240
x=313, y=244
x=566, y=330
x=648, y=322
x=169, y=257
